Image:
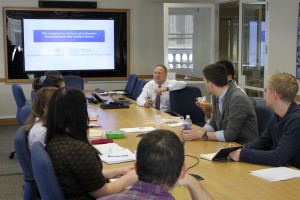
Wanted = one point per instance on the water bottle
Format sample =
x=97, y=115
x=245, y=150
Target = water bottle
x=187, y=123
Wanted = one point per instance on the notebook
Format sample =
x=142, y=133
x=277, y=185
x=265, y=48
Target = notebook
x=123, y=156
x=113, y=153
x=221, y=154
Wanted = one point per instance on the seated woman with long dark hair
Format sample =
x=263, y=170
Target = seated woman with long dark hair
x=76, y=162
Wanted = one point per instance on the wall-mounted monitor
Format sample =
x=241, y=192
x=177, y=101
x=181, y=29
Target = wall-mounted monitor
x=92, y=43
x=68, y=44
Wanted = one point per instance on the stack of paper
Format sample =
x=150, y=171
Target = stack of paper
x=112, y=153
x=276, y=173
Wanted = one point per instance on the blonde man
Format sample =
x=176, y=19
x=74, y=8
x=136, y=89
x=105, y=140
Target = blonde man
x=279, y=143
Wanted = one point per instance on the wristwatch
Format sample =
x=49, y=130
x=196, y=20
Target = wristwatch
x=205, y=136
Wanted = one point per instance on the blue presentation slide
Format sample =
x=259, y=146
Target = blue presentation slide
x=60, y=44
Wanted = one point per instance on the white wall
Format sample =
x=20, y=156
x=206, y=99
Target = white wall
x=147, y=40
x=283, y=20
x=146, y=43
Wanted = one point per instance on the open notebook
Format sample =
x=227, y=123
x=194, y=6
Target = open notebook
x=221, y=154
x=113, y=153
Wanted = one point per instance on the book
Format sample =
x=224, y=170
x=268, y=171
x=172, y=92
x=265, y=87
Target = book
x=221, y=154
x=113, y=153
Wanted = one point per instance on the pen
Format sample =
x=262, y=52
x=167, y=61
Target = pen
x=118, y=156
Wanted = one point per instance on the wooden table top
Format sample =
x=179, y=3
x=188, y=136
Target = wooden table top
x=222, y=179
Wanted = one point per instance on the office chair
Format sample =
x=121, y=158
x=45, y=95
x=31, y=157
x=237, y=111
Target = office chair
x=253, y=101
x=44, y=173
x=130, y=85
x=132, y=80
x=263, y=116
x=20, y=100
x=182, y=103
x=20, y=142
x=74, y=81
x=138, y=89
x=25, y=112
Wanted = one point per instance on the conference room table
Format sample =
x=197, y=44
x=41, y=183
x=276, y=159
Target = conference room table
x=222, y=179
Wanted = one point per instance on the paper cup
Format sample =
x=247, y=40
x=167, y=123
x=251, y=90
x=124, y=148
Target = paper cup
x=157, y=119
x=201, y=99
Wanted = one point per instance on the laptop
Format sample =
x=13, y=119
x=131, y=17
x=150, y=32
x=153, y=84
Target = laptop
x=113, y=105
x=124, y=102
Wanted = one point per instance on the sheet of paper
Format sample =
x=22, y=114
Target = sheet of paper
x=175, y=124
x=276, y=173
x=114, y=179
x=117, y=92
x=112, y=92
x=137, y=129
